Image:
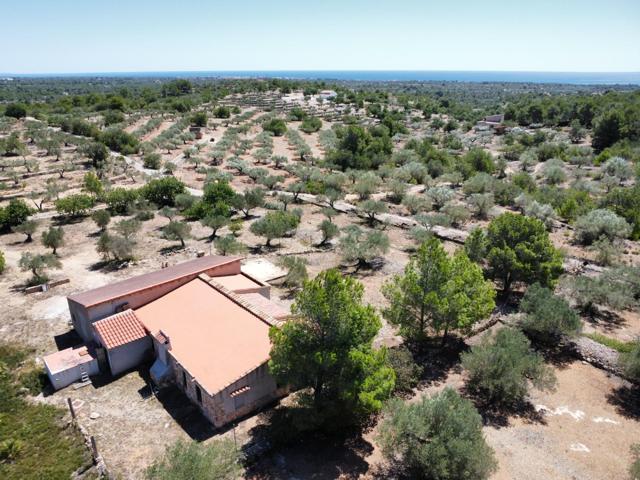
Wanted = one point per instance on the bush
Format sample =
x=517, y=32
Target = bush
x=163, y=191
x=276, y=126
x=634, y=469
x=101, y=218
x=617, y=288
x=630, y=362
x=152, y=161
x=121, y=200
x=599, y=223
x=438, y=438
x=15, y=110
x=501, y=368
x=275, y=225
x=296, y=270
x=408, y=372
x=547, y=316
x=217, y=460
x=74, y=205
x=199, y=119
x=14, y=214
x=3, y=262
x=120, y=141
x=53, y=238
x=362, y=247
x=37, y=264
x=311, y=125
x=222, y=112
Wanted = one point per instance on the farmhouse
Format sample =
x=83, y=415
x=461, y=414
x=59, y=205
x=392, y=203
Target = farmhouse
x=203, y=324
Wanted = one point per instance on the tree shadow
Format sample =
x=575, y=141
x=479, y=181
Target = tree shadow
x=560, y=355
x=171, y=249
x=310, y=455
x=626, y=400
x=607, y=319
x=109, y=265
x=499, y=416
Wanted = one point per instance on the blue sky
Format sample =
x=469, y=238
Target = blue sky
x=64, y=36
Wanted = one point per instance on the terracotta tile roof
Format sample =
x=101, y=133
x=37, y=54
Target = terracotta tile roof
x=112, y=291
x=216, y=339
x=119, y=329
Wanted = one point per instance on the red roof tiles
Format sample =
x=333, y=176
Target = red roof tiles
x=119, y=329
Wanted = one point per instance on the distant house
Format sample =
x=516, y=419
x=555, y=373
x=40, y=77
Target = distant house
x=203, y=323
x=494, y=122
x=327, y=94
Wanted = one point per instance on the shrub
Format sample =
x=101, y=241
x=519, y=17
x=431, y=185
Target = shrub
x=296, y=270
x=163, y=191
x=408, y=372
x=74, y=205
x=439, y=438
x=152, y=161
x=276, y=126
x=501, y=368
x=177, y=231
x=617, y=288
x=634, y=468
x=599, y=223
x=3, y=262
x=228, y=245
x=547, y=316
x=217, y=460
x=15, y=110
x=630, y=362
x=311, y=124
x=121, y=200
x=120, y=141
x=14, y=214
x=114, y=246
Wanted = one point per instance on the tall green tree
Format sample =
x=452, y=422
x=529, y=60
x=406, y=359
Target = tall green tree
x=520, y=251
x=438, y=293
x=328, y=348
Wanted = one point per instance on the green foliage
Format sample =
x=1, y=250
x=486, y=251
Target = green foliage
x=630, y=362
x=614, y=343
x=53, y=238
x=475, y=246
x=222, y=112
x=163, y=191
x=547, y=316
x=34, y=443
x=626, y=203
x=116, y=247
x=121, y=200
x=520, y=251
x=97, y=152
x=217, y=460
x=617, y=288
x=214, y=222
x=247, y=201
x=362, y=247
x=296, y=270
x=199, y=119
x=74, y=205
x=500, y=368
x=328, y=229
x=437, y=438
x=14, y=214
x=15, y=110
x=38, y=264
x=477, y=160
x=152, y=161
x=601, y=223
x=92, y=184
x=634, y=468
x=407, y=371
x=229, y=245
x=275, y=225
x=360, y=148
x=371, y=208
x=27, y=228
x=328, y=349
x=175, y=230
x=3, y=262
x=437, y=292
x=277, y=126
x=176, y=88
x=311, y=125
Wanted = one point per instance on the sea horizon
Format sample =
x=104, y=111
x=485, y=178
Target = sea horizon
x=575, y=78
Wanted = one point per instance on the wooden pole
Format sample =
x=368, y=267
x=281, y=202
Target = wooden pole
x=71, y=409
x=94, y=447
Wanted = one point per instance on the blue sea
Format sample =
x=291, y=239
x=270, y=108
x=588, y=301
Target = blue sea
x=576, y=78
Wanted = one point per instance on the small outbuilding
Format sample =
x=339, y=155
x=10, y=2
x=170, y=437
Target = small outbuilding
x=124, y=339
x=70, y=365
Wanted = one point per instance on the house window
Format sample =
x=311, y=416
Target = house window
x=198, y=394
